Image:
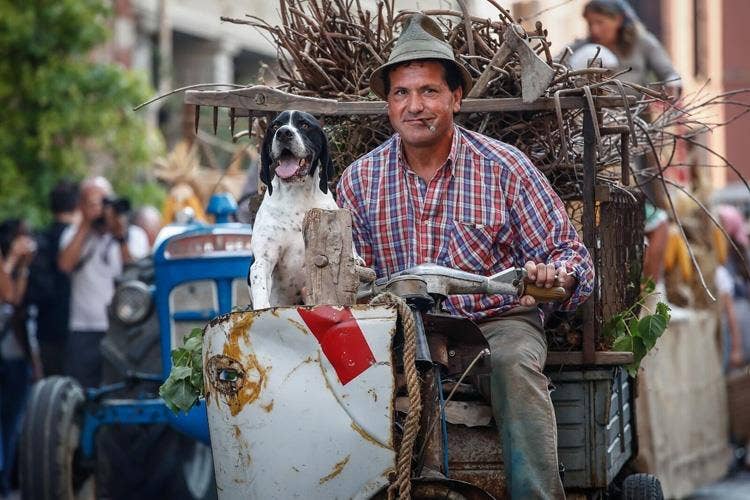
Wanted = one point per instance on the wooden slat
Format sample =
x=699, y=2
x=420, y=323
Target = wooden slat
x=575, y=358
x=260, y=99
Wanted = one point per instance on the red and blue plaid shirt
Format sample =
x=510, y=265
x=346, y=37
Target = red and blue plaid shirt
x=486, y=209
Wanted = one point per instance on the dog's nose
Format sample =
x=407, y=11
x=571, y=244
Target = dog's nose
x=285, y=133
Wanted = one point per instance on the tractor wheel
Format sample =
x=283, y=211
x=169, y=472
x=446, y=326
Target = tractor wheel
x=49, y=463
x=642, y=487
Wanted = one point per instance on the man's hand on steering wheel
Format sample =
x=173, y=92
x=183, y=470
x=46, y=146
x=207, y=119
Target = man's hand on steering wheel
x=546, y=276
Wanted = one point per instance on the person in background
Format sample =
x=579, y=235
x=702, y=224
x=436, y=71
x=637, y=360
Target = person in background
x=732, y=279
x=614, y=25
x=148, y=218
x=49, y=287
x=93, y=252
x=18, y=351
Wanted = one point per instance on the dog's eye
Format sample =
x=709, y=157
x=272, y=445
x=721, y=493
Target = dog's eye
x=273, y=127
x=304, y=125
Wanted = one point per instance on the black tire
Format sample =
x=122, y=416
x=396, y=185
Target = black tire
x=146, y=461
x=642, y=487
x=49, y=461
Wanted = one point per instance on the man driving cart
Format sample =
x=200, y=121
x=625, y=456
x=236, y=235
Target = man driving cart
x=438, y=193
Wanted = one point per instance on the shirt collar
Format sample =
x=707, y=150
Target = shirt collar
x=452, y=156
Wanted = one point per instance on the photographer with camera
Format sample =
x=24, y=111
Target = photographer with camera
x=93, y=252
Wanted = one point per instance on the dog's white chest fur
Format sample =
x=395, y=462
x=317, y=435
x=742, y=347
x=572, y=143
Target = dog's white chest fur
x=277, y=275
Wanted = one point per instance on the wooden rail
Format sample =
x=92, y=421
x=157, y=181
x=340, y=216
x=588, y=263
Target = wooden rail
x=261, y=99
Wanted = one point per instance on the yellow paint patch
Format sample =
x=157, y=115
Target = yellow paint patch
x=299, y=326
x=336, y=470
x=366, y=435
x=254, y=376
x=268, y=408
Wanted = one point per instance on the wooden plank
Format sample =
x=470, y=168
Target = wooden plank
x=261, y=99
x=329, y=261
x=575, y=358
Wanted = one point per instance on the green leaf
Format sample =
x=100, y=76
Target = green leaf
x=650, y=328
x=639, y=350
x=633, y=326
x=623, y=344
x=180, y=373
x=193, y=344
x=185, y=383
x=196, y=380
x=180, y=357
x=648, y=287
x=178, y=395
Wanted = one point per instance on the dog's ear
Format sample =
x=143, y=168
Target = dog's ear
x=266, y=174
x=325, y=164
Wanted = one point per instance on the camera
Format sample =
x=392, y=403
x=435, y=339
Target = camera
x=119, y=205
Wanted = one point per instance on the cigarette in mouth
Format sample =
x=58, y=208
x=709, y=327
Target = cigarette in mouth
x=429, y=125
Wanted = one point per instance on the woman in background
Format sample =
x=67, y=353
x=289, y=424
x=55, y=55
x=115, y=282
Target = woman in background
x=614, y=25
x=17, y=354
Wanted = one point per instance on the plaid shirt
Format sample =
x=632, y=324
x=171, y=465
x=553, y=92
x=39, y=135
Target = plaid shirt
x=486, y=209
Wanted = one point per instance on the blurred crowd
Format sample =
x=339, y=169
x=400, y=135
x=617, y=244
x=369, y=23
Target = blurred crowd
x=55, y=287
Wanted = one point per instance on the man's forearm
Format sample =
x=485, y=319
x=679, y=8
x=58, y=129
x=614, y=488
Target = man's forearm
x=125, y=251
x=71, y=254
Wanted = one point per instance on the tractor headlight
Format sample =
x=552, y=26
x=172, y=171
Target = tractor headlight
x=132, y=302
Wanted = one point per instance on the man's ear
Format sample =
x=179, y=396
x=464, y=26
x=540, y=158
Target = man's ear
x=458, y=94
x=266, y=175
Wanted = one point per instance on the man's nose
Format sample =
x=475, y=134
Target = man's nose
x=415, y=104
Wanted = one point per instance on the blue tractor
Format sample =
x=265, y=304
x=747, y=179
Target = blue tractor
x=120, y=440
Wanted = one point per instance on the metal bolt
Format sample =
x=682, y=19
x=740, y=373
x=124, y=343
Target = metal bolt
x=321, y=260
x=451, y=353
x=260, y=98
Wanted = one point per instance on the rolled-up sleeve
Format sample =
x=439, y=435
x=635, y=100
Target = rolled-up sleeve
x=546, y=233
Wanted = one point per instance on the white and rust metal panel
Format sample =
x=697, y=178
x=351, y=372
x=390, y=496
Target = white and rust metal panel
x=300, y=401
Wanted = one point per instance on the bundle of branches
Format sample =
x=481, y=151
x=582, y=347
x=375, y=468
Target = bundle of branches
x=329, y=48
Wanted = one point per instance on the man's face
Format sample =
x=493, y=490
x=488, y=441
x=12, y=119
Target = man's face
x=420, y=98
x=92, y=202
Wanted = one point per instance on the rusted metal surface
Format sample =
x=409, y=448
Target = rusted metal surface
x=288, y=417
x=475, y=457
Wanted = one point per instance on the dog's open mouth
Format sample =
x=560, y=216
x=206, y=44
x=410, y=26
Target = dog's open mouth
x=289, y=166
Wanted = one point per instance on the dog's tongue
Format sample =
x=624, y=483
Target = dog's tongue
x=288, y=166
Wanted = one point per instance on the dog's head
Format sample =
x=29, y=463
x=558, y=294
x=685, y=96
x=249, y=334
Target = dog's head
x=294, y=146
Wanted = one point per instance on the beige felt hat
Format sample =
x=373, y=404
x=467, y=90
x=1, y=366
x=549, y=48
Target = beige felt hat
x=421, y=39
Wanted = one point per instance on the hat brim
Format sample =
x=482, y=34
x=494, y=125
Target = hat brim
x=378, y=86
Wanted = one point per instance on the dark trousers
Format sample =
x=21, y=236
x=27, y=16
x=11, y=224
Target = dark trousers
x=83, y=360
x=15, y=381
x=522, y=405
x=52, y=353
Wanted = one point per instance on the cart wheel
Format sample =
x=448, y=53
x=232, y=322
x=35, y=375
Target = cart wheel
x=49, y=462
x=642, y=487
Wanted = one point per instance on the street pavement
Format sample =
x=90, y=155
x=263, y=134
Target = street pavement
x=734, y=487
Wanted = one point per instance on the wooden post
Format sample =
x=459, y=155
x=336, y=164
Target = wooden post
x=329, y=262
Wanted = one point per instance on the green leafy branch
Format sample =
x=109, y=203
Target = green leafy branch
x=184, y=385
x=638, y=335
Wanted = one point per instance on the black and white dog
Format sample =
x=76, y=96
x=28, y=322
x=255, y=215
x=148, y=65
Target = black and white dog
x=295, y=166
